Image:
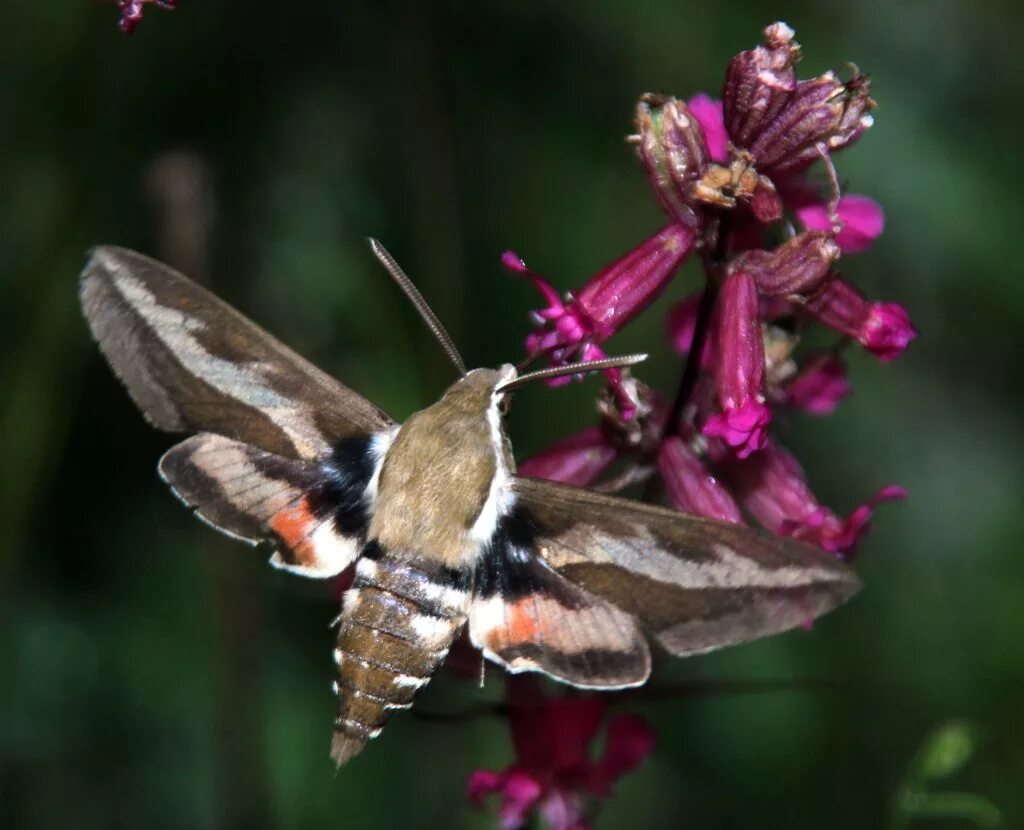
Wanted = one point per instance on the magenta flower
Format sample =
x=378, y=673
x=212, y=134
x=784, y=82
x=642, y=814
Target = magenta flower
x=819, y=386
x=131, y=12
x=681, y=324
x=579, y=459
x=608, y=301
x=708, y=113
x=554, y=775
x=733, y=176
x=884, y=329
x=773, y=488
x=691, y=487
x=739, y=371
x=861, y=221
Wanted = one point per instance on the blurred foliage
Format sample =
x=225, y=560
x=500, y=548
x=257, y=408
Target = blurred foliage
x=946, y=751
x=156, y=675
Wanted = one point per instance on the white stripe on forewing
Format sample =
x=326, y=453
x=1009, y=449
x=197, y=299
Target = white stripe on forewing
x=730, y=568
x=245, y=382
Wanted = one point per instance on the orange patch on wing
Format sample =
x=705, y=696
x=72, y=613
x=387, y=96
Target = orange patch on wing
x=524, y=623
x=294, y=525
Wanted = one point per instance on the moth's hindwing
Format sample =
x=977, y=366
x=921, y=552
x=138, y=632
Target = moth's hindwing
x=526, y=617
x=192, y=363
x=694, y=584
x=315, y=515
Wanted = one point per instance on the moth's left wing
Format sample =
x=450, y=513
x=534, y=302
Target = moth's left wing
x=192, y=363
x=313, y=514
x=693, y=583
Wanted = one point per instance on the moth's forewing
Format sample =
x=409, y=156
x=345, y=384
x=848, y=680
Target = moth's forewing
x=526, y=617
x=192, y=363
x=694, y=584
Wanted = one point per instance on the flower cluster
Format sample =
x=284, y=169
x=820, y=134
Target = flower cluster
x=555, y=774
x=747, y=182
x=131, y=12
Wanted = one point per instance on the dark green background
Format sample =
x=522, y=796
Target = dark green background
x=155, y=675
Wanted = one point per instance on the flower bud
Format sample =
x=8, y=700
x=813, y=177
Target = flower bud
x=884, y=329
x=822, y=113
x=578, y=459
x=795, y=267
x=673, y=151
x=819, y=386
x=608, y=301
x=739, y=370
x=758, y=83
x=766, y=203
x=690, y=486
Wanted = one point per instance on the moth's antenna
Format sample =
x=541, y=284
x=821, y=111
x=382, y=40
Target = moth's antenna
x=400, y=277
x=573, y=369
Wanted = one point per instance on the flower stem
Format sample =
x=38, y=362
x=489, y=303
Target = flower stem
x=713, y=263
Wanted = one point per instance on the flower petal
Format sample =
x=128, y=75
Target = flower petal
x=691, y=487
x=861, y=221
x=708, y=112
x=630, y=740
x=578, y=459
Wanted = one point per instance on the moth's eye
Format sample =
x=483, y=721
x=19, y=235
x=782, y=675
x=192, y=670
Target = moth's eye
x=504, y=402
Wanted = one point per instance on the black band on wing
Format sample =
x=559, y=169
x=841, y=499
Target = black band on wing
x=349, y=472
x=502, y=571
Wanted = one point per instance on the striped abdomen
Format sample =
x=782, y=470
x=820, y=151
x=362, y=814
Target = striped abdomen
x=397, y=625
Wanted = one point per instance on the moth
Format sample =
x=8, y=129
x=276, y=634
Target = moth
x=442, y=532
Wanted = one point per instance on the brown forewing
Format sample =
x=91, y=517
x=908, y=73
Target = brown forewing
x=191, y=362
x=695, y=584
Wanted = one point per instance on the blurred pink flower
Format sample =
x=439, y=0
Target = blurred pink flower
x=554, y=772
x=131, y=12
x=861, y=221
x=577, y=459
x=820, y=385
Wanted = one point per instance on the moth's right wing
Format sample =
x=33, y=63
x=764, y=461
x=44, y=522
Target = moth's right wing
x=193, y=363
x=694, y=584
x=313, y=514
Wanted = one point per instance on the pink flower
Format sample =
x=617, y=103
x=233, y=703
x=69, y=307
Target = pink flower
x=691, y=487
x=861, y=221
x=739, y=369
x=131, y=12
x=609, y=300
x=680, y=325
x=554, y=771
x=820, y=385
x=579, y=459
x=773, y=488
x=708, y=112
x=884, y=329
x=835, y=534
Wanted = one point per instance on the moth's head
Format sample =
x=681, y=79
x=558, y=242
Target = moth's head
x=477, y=392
